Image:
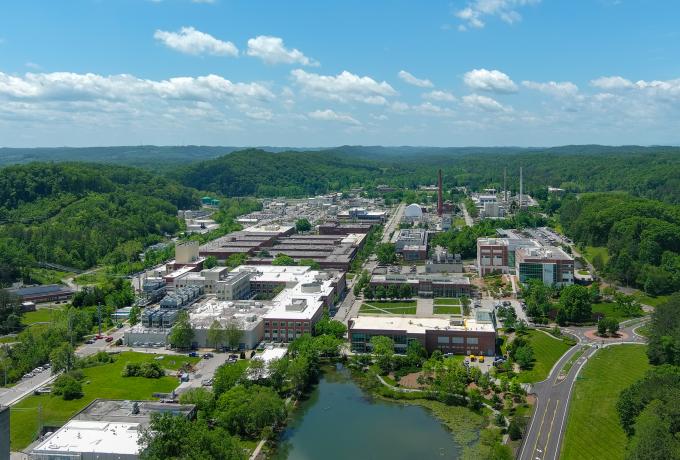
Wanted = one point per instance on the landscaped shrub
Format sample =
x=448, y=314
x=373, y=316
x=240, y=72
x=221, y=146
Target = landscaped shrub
x=149, y=370
x=67, y=387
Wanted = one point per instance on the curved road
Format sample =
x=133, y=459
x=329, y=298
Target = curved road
x=544, y=436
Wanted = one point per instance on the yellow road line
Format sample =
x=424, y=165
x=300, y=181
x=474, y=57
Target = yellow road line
x=547, y=441
x=540, y=428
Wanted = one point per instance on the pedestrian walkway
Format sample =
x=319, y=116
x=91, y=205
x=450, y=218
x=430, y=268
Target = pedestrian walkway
x=424, y=307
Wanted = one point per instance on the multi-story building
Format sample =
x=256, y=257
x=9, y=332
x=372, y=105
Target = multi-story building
x=442, y=261
x=459, y=336
x=551, y=265
x=426, y=284
x=4, y=433
x=526, y=258
x=411, y=243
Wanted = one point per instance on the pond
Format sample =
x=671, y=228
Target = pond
x=340, y=421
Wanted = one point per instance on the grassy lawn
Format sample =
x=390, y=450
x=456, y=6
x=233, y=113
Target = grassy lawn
x=593, y=430
x=547, y=351
x=8, y=339
x=48, y=276
x=592, y=251
x=445, y=301
x=41, y=315
x=100, y=382
x=652, y=301
x=609, y=310
x=388, y=308
x=95, y=278
x=446, y=310
x=174, y=362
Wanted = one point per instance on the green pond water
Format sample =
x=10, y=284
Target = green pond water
x=340, y=421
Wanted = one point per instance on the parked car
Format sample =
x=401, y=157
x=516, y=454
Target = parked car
x=506, y=303
x=193, y=354
x=43, y=390
x=98, y=336
x=207, y=382
x=109, y=339
x=89, y=341
x=28, y=375
x=207, y=355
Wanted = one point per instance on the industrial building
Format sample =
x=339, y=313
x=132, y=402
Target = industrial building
x=411, y=244
x=245, y=315
x=344, y=228
x=412, y=213
x=249, y=241
x=105, y=429
x=450, y=335
x=426, y=285
x=44, y=293
x=442, y=261
x=362, y=214
x=299, y=296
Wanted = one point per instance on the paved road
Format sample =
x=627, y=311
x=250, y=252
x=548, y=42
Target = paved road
x=548, y=424
x=393, y=223
x=468, y=220
x=10, y=396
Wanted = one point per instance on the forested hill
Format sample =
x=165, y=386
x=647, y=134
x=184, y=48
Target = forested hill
x=650, y=172
x=77, y=214
x=256, y=172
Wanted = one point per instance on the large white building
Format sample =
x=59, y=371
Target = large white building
x=91, y=440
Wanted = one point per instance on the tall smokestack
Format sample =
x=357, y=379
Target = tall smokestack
x=521, y=189
x=440, y=202
x=505, y=185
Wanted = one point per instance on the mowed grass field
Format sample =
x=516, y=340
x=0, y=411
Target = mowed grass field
x=593, y=429
x=609, y=310
x=378, y=307
x=41, y=315
x=447, y=306
x=100, y=382
x=547, y=351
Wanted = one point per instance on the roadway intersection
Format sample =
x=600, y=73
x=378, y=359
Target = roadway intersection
x=545, y=433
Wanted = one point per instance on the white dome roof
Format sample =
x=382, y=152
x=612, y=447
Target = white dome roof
x=413, y=210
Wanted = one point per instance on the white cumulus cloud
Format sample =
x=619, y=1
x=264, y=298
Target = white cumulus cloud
x=412, y=80
x=344, y=87
x=559, y=89
x=612, y=83
x=443, y=96
x=68, y=86
x=488, y=104
x=191, y=41
x=493, y=81
x=272, y=51
x=330, y=115
x=475, y=12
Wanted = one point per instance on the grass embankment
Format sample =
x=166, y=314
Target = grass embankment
x=651, y=301
x=41, y=315
x=593, y=429
x=609, y=310
x=100, y=382
x=547, y=351
x=95, y=278
x=380, y=307
x=48, y=276
x=591, y=251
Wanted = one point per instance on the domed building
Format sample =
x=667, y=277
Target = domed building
x=413, y=212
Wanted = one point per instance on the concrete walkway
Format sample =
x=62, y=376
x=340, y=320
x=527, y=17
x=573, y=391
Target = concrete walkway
x=424, y=307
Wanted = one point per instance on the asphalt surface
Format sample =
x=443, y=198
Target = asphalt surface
x=544, y=436
x=25, y=387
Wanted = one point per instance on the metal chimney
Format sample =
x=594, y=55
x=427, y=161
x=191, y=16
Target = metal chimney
x=440, y=202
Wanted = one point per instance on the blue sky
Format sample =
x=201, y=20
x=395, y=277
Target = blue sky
x=322, y=73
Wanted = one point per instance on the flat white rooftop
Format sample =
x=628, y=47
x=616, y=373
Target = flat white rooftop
x=90, y=436
x=416, y=325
